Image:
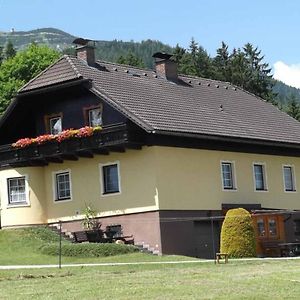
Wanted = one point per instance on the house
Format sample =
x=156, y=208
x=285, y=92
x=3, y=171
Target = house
x=174, y=151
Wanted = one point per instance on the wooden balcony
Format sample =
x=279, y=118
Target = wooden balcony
x=115, y=138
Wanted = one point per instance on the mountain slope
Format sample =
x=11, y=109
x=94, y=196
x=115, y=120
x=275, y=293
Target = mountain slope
x=112, y=50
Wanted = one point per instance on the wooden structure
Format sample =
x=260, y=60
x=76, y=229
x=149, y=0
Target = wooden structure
x=271, y=227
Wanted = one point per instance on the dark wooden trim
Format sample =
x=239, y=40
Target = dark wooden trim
x=70, y=156
x=237, y=145
x=85, y=153
x=48, y=117
x=85, y=111
x=54, y=159
x=110, y=139
x=54, y=87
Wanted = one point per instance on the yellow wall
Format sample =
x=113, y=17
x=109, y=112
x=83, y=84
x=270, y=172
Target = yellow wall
x=151, y=178
x=138, y=186
x=35, y=211
x=191, y=179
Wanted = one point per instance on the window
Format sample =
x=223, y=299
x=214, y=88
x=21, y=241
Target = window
x=272, y=227
x=288, y=176
x=17, y=190
x=267, y=227
x=110, y=179
x=55, y=125
x=95, y=117
x=259, y=176
x=261, y=227
x=63, y=186
x=227, y=176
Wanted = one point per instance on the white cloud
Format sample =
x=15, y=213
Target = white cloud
x=289, y=74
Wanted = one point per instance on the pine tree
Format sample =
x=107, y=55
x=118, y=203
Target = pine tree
x=293, y=107
x=196, y=61
x=260, y=81
x=221, y=63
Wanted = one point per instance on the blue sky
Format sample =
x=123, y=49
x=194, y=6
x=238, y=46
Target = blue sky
x=273, y=26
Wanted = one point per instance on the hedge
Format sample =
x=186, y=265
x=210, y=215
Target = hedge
x=237, y=234
x=88, y=249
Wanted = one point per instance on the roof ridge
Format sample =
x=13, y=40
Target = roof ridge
x=69, y=60
x=124, y=65
x=203, y=78
x=39, y=74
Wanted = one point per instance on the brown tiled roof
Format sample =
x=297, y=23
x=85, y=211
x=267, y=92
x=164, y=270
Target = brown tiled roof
x=61, y=71
x=193, y=105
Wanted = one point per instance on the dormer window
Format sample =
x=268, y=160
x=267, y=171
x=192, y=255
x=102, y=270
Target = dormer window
x=55, y=125
x=95, y=117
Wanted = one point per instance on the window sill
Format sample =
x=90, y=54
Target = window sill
x=261, y=190
x=290, y=191
x=229, y=189
x=15, y=205
x=62, y=200
x=110, y=194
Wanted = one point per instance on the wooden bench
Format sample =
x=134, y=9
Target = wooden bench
x=220, y=256
x=80, y=236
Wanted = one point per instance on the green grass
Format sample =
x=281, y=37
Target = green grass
x=24, y=247
x=236, y=280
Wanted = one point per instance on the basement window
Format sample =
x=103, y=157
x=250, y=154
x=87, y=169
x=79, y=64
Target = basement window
x=17, y=190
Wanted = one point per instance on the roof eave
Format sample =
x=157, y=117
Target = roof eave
x=223, y=138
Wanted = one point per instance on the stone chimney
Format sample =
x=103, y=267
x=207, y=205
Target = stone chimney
x=165, y=66
x=85, y=50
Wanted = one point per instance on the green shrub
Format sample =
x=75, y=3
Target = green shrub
x=237, y=234
x=88, y=249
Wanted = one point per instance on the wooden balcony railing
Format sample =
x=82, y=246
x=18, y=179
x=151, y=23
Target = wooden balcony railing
x=113, y=138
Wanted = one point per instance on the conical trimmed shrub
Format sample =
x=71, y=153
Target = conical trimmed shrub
x=237, y=234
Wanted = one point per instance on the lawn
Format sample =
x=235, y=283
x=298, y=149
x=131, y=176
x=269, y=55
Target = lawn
x=236, y=280
x=22, y=247
x=263, y=279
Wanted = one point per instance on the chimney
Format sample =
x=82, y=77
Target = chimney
x=165, y=66
x=85, y=50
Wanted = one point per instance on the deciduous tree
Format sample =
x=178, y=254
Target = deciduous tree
x=25, y=65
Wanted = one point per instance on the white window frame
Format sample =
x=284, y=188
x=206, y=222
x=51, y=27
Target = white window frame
x=233, y=176
x=101, y=165
x=265, y=179
x=55, y=187
x=294, y=190
x=27, y=199
x=88, y=115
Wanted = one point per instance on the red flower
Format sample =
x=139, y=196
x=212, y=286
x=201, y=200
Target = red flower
x=66, y=134
x=85, y=131
x=21, y=143
x=44, y=138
